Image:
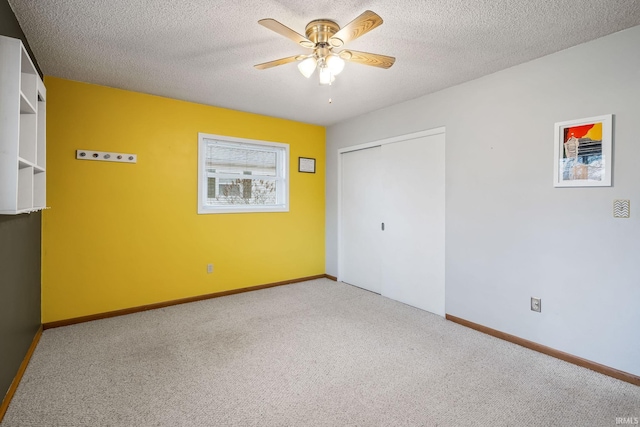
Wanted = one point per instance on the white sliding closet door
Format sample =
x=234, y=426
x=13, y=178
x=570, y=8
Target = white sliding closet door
x=400, y=183
x=360, y=219
x=414, y=207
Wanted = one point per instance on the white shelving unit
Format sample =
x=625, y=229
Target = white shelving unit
x=22, y=131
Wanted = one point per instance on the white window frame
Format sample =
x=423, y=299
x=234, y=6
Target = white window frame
x=282, y=175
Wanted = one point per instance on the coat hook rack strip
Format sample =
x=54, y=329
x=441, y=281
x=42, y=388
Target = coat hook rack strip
x=106, y=156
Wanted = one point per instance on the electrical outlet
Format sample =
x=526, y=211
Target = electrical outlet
x=209, y=268
x=536, y=304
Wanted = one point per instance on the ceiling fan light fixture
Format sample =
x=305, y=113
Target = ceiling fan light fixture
x=307, y=66
x=335, y=64
x=324, y=35
x=326, y=76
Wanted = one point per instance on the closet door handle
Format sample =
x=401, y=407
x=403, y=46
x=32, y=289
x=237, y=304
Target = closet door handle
x=383, y=226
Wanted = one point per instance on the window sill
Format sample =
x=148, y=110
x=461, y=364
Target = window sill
x=236, y=209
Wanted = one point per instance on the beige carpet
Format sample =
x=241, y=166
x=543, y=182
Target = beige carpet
x=317, y=353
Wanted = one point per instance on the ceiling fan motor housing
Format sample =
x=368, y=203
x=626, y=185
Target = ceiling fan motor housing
x=320, y=31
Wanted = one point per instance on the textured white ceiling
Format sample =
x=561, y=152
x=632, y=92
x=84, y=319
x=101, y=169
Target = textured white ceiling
x=204, y=51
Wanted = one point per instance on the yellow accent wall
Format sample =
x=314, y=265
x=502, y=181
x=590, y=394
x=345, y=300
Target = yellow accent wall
x=124, y=235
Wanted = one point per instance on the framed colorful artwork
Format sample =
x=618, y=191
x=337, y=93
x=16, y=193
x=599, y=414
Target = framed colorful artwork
x=582, y=152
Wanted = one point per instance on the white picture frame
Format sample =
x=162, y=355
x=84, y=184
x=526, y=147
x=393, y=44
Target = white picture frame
x=583, y=152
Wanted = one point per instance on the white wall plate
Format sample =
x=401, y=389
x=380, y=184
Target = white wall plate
x=105, y=156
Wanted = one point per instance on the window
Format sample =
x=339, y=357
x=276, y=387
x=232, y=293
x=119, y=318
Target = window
x=242, y=175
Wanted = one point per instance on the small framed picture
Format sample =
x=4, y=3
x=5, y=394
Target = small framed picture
x=306, y=165
x=582, y=152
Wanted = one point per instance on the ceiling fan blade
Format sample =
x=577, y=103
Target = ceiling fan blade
x=277, y=62
x=283, y=30
x=365, y=58
x=354, y=29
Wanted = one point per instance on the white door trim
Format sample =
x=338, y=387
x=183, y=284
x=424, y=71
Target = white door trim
x=428, y=132
x=391, y=140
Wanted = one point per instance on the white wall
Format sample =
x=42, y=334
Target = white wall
x=510, y=234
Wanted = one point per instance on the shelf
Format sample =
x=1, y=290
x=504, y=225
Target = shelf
x=25, y=188
x=26, y=65
x=28, y=79
x=22, y=131
x=41, y=137
x=22, y=163
x=25, y=105
x=39, y=189
x=28, y=137
x=42, y=91
x=22, y=211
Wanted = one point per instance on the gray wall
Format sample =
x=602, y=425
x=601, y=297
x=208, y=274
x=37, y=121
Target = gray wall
x=510, y=234
x=19, y=268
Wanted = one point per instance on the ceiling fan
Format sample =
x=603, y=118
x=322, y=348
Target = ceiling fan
x=323, y=36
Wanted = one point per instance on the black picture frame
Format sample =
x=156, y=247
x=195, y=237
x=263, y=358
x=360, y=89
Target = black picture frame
x=306, y=165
